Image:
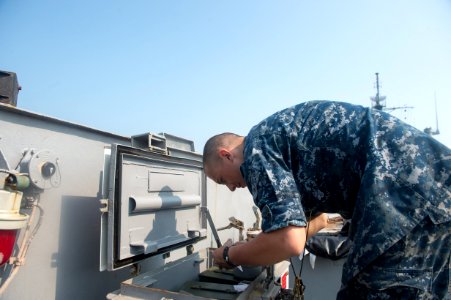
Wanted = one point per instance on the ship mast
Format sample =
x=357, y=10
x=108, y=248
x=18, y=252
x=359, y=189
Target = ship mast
x=378, y=100
x=429, y=130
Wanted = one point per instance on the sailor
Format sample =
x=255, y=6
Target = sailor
x=390, y=179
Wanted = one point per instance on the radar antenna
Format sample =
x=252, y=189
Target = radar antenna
x=379, y=102
x=429, y=130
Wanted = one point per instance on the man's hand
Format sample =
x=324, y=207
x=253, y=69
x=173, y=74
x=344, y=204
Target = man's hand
x=316, y=224
x=218, y=258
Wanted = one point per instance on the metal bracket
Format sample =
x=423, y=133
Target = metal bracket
x=150, y=142
x=104, y=204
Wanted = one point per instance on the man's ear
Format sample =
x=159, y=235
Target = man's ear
x=224, y=153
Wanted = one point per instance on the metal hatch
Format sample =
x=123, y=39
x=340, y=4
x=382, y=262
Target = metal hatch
x=154, y=203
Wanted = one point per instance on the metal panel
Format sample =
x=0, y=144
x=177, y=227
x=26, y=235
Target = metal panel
x=62, y=257
x=62, y=261
x=154, y=204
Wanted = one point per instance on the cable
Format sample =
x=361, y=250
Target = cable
x=6, y=171
x=299, y=287
x=26, y=241
x=305, y=245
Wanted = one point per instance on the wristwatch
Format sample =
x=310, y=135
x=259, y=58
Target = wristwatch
x=226, y=257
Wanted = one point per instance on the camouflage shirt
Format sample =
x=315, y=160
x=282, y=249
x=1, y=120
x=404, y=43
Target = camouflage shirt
x=324, y=156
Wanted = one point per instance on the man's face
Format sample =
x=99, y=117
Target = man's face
x=226, y=172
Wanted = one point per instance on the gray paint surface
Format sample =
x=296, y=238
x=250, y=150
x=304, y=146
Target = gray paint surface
x=63, y=259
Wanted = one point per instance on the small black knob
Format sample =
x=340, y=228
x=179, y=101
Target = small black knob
x=48, y=169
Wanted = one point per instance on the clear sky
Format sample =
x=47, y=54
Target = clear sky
x=197, y=68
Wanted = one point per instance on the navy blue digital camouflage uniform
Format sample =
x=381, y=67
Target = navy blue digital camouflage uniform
x=391, y=179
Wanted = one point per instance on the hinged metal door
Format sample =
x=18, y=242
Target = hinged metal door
x=153, y=206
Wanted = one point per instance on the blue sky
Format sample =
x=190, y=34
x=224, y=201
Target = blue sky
x=197, y=68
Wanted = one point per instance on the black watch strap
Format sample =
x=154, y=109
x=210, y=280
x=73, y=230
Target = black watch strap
x=225, y=256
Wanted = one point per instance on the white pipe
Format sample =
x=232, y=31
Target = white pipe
x=138, y=204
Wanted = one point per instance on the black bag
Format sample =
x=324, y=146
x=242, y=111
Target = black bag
x=332, y=246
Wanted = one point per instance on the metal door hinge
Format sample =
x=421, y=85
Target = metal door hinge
x=104, y=205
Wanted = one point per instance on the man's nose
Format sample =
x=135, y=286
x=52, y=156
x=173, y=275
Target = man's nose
x=231, y=187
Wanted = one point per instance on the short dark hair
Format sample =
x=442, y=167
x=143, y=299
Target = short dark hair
x=215, y=142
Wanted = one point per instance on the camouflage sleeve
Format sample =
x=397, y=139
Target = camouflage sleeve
x=272, y=185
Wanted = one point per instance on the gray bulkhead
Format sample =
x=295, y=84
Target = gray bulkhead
x=64, y=257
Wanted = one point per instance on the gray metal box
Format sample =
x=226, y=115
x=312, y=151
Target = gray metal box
x=154, y=204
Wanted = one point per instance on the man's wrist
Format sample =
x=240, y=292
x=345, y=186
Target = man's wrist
x=226, y=257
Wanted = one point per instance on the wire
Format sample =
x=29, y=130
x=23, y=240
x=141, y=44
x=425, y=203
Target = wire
x=26, y=241
x=298, y=277
x=6, y=171
x=305, y=244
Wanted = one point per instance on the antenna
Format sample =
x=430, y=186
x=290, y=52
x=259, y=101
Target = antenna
x=379, y=101
x=429, y=130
